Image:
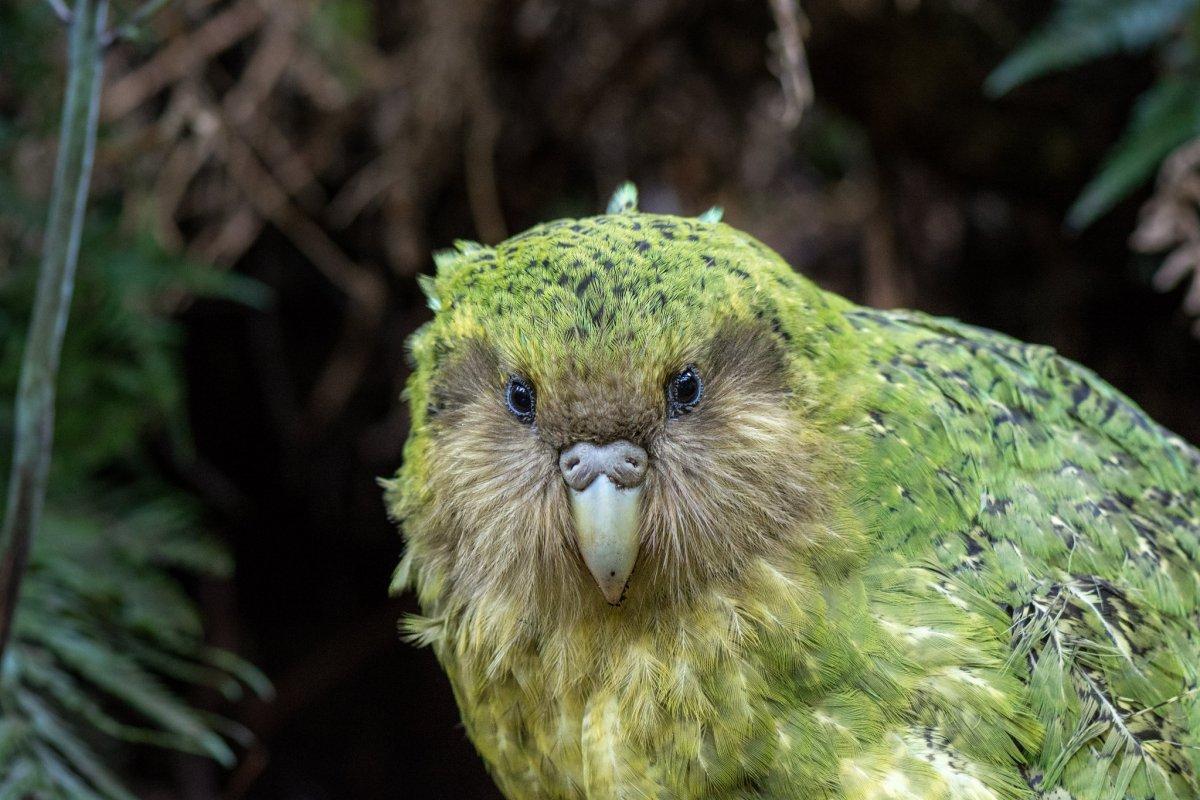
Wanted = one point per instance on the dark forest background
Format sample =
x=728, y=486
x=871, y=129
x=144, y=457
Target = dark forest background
x=273, y=175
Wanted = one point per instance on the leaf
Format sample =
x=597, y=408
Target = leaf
x=61, y=689
x=81, y=758
x=19, y=782
x=1084, y=30
x=1165, y=117
x=62, y=776
x=12, y=737
x=125, y=680
x=243, y=670
x=184, y=669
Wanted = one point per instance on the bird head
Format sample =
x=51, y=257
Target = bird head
x=609, y=413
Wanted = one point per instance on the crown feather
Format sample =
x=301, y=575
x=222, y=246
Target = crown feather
x=624, y=199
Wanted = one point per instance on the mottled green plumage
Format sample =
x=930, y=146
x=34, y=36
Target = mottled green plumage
x=889, y=556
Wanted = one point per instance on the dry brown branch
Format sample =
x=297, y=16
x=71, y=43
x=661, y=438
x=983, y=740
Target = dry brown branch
x=184, y=161
x=276, y=48
x=222, y=244
x=344, y=369
x=234, y=142
x=364, y=188
x=232, y=233
x=884, y=285
x=794, y=76
x=323, y=88
x=183, y=56
x=189, y=129
x=367, y=293
x=243, y=105
x=271, y=201
x=480, y=155
x=444, y=101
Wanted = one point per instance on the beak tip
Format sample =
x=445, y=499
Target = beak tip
x=613, y=594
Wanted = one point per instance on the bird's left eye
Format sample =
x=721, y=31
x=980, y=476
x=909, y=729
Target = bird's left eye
x=684, y=391
x=520, y=398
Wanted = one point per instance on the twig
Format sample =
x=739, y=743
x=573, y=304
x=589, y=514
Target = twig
x=362, y=286
x=797, y=84
x=129, y=29
x=365, y=290
x=34, y=428
x=183, y=56
x=223, y=243
x=885, y=283
x=482, y=192
x=342, y=372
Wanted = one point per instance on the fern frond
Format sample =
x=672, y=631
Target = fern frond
x=1083, y=30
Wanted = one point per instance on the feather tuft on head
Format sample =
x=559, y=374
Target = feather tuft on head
x=429, y=288
x=624, y=199
x=714, y=214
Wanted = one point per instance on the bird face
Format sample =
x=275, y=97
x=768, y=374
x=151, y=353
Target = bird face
x=599, y=423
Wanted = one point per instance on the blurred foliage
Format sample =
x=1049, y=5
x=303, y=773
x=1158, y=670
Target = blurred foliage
x=107, y=640
x=1165, y=117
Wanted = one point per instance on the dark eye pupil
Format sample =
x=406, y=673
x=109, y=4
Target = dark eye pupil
x=687, y=387
x=520, y=399
x=684, y=391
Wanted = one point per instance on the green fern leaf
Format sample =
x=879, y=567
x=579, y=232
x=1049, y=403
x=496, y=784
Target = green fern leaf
x=82, y=760
x=1084, y=30
x=20, y=781
x=1165, y=117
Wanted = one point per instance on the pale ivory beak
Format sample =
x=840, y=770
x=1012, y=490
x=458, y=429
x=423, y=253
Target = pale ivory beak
x=606, y=528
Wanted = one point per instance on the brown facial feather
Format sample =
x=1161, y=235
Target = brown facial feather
x=722, y=486
x=462, y=378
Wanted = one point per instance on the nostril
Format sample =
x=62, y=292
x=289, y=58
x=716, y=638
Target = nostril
x=621, y=461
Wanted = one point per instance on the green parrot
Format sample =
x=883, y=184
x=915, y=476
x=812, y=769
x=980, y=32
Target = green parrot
x=683, y=525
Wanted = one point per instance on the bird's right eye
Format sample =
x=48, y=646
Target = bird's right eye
x=521, y=399
x=684, y=391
